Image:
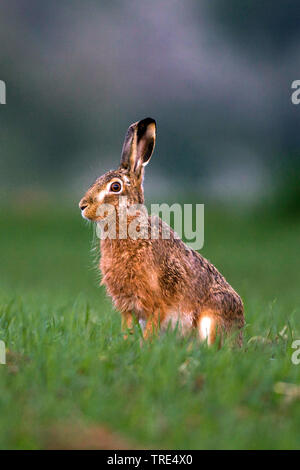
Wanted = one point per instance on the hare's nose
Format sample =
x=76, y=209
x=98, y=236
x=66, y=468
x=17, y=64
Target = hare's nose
x=83, y=205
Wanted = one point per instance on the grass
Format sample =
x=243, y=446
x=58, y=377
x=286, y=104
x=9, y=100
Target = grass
x=67, y=361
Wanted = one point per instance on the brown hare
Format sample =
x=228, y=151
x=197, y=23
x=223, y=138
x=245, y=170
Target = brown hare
x=152, y=279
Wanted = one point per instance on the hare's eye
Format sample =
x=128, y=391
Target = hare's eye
x=115, y=187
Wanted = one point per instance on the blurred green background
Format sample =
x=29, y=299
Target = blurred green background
x=217, y=78
x=215, y=74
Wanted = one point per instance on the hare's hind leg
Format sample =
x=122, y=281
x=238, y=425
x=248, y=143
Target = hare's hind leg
x=212, y=325
x=209, y=326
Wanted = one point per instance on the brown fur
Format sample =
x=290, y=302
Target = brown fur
x=156, y=280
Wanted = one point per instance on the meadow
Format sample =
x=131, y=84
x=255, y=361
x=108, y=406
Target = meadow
x=71, y=380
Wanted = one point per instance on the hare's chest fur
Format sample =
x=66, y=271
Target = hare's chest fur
x=129, y=276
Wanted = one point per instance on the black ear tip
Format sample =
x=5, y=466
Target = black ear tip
x=149, y=120
x=144, y=123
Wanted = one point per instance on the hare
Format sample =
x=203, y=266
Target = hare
x=154, y=280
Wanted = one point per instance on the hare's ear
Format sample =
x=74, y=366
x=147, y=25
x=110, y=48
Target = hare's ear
x=146, y=136
x=138, y=145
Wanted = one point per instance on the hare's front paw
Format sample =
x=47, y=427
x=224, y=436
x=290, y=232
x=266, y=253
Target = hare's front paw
x=127, y=324
x=152, y=325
